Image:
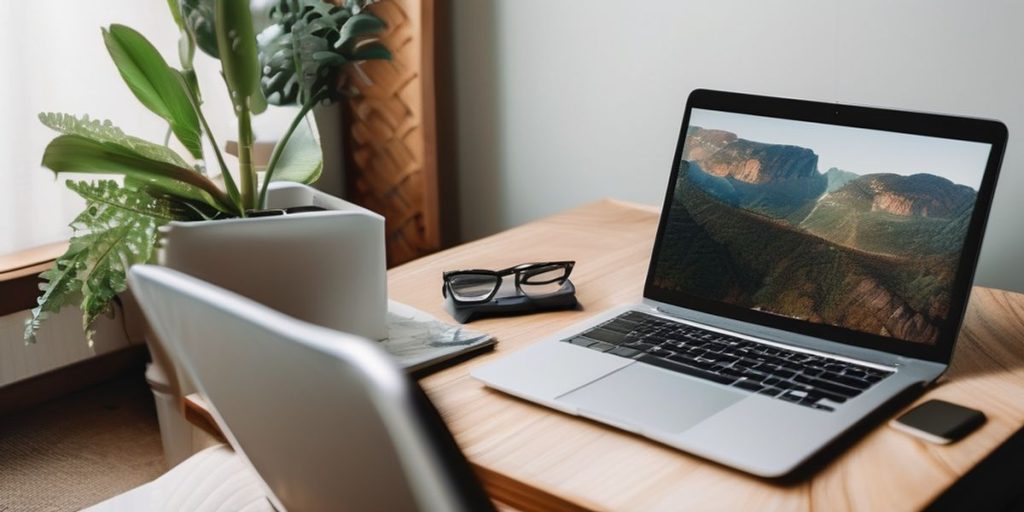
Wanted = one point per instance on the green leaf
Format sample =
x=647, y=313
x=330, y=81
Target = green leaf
x=186, y=52
x=329, y=58
x=200, y=22
x=117, y=229
x=239, y=57
x=309, y=46
x=105, y=131
x=198, y=18
x=76, y=153
x=370, y=51
x=360, y=25
x=176, y=13
x=275, y=157
x=301, y=159
x=290, y=74
x=195, y=210
x=131, y=200
x=229, y=183
x=60, y=287
x=154, y=83
x=192, y=82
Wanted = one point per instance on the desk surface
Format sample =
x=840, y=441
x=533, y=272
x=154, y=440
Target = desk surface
x=531, y=457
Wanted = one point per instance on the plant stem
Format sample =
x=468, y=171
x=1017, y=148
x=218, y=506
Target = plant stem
x=246, y=170
x=229, y=181
x=279, y=148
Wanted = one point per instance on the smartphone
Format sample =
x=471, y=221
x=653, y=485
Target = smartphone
x=939, y=422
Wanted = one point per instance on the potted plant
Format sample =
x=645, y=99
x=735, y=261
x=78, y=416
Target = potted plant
x=241, y=234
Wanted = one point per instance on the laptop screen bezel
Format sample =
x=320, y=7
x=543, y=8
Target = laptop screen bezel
x=934, y=125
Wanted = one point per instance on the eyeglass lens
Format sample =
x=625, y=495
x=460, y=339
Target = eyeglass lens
x=472, y=287
x=543, y=280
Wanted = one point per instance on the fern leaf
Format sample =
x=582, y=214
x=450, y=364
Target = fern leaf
x=60, y=287
x=105, y=131
x=117, y=229
x=109, y=193
x=119, y=226
x=104, y=272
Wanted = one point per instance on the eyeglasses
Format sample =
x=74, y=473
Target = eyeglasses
x=531, y=279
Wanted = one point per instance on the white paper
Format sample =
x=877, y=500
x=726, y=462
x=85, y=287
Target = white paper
x=418, y=339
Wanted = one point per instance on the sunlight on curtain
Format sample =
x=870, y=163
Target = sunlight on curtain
x=53, y=60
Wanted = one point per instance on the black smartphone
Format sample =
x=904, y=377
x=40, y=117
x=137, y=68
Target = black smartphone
x=939, y=421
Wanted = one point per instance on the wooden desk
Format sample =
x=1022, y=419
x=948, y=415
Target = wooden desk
x=531, y=457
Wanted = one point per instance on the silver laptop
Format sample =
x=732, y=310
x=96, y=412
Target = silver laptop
x=813, y=262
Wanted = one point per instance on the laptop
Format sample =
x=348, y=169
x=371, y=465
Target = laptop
x=812, y=263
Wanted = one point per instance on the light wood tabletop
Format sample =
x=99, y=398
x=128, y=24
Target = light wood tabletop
x=534, y=458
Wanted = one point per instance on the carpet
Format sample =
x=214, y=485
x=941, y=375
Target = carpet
x=80, y=449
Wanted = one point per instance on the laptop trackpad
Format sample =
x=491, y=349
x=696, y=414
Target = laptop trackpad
x=650, y=398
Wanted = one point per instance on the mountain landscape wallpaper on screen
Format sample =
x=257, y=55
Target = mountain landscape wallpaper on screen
x=760, y=226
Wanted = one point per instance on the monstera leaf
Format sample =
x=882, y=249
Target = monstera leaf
x=356, y=27
x=197, y=17
x=306, y=49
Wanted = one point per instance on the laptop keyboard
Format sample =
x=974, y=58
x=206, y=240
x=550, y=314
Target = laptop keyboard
x=806, y=379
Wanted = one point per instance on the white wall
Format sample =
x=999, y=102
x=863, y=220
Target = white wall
x=559, y=103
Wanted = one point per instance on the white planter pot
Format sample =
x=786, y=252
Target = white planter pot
x=324, y=267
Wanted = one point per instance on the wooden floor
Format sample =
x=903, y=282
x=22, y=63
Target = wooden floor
x=80, y=449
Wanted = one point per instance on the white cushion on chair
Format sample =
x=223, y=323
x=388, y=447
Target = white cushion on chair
x=213, y=480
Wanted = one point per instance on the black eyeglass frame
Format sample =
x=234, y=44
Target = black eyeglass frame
x=522, y=273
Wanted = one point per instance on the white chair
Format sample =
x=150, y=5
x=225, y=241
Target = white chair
x=213, y=480
x=326, y=419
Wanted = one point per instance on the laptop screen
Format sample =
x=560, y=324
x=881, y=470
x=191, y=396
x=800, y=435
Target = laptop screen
x=855, y=228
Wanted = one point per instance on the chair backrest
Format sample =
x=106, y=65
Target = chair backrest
x=326, y=418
